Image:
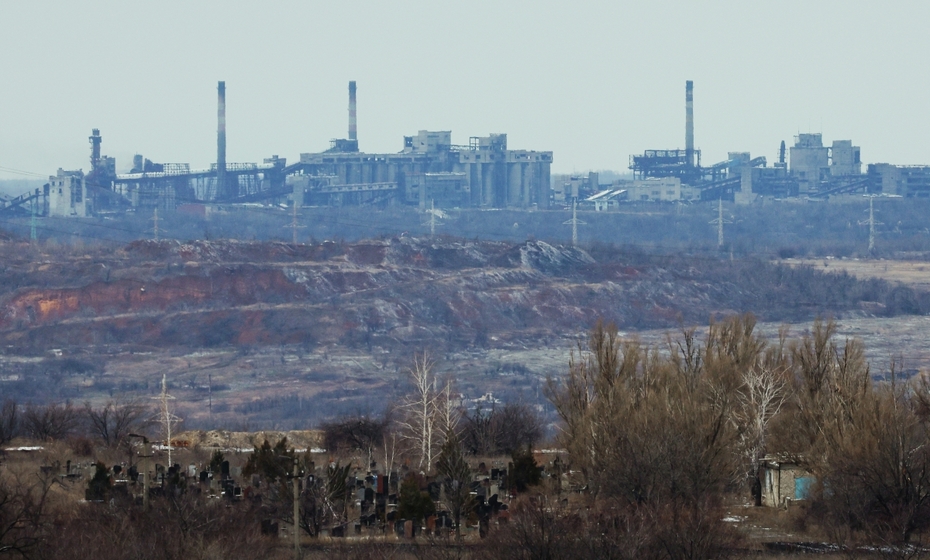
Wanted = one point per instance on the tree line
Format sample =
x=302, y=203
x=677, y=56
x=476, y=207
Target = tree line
x=664, y=437
x=658, y=442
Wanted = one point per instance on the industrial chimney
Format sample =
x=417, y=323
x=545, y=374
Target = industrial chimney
x=95, y=141
x=353, y=124
x=689, y=121
x=221, y=140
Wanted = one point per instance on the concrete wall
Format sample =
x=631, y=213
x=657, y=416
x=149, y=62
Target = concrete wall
x=67, y=196
x=667, y=189
x=809, y=162
x=783, y=483
x=904, y=180
x=845, y=159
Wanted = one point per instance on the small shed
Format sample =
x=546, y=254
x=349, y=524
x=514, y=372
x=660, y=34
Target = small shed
x=785, y=480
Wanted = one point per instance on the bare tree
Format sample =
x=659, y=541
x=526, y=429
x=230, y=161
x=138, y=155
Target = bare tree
x=23, y=514
x=501, y=430
x=759, y=400
x=448, y=412
x=418, y=424
x=481, y=432
x=52, y=421
x=389, y=448
x=456, y=476
x=9, y=421
x=647, y=434
x=114, y=421
x=358, y=433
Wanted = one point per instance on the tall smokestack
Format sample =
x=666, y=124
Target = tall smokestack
x=689, y=121
x=353, y=124
x=221, y=139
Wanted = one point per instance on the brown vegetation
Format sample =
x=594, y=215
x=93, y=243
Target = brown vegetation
x=662, y=445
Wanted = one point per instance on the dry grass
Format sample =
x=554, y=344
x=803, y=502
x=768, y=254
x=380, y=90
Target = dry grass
x=912, y=273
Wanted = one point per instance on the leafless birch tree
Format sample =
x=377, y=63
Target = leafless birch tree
x=418, y=424
x=759, y=400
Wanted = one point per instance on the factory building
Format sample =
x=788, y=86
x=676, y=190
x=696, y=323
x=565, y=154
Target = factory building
x=653, y=189
x=67, y=195
x=810, y=162
x=844, y=159
x=484, y=173
x=911, y=181
x=428, y=170
x=816, y=166
x=567, y=187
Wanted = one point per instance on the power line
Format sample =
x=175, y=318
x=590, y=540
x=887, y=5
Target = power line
x=21, y=172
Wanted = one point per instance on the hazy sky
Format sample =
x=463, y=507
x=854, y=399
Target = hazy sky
x=593, y=81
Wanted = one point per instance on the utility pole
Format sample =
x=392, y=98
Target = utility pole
x=296, y=512
x=871, y=223
x=719, y=221
x=574, y=222
x=32, y=224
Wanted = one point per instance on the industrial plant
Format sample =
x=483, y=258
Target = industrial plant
x=808, y=169
x=429, y=170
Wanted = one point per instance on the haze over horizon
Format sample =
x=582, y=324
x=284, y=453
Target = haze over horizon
x=594, y=83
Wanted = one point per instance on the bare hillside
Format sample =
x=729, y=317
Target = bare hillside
x=251, y=334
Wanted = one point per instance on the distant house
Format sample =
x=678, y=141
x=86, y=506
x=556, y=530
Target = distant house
x=784, y=480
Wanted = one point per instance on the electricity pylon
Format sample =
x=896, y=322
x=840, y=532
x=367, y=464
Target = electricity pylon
x=434, y=217
x=719, y=221
x=575, y=222
x=155, y=220
x=871, y=223
x=294, y=225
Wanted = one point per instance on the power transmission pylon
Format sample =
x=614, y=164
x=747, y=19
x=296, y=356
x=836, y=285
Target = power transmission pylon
x=294, y=225
x=719, y=221
x=871, y=223
x=575, y=222
x=434, y=217
x=155, y=219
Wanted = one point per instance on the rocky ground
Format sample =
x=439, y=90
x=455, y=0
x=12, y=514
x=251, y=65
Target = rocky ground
x=276, y=336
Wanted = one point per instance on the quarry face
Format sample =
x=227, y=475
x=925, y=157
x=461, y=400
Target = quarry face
x=274, y=335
